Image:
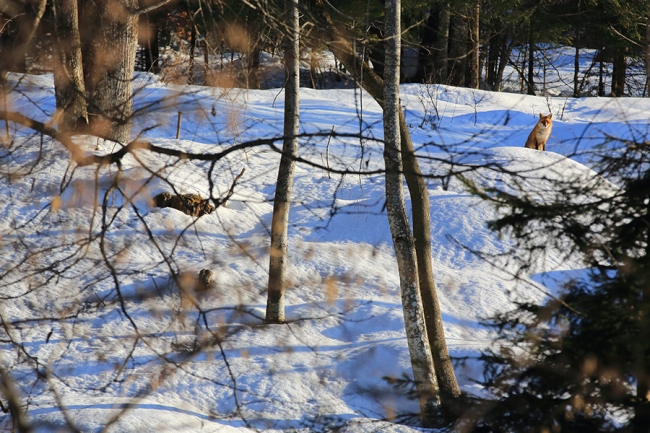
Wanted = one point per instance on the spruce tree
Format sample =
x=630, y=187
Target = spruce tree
x=579, y=362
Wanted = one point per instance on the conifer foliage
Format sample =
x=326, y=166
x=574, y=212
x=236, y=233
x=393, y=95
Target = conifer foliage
x=579, y=362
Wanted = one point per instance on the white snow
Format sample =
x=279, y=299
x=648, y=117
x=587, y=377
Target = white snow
x=345, y=333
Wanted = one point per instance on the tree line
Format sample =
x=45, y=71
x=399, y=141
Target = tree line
x=461, y=43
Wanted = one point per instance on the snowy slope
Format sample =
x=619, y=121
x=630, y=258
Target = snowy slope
x=345, y=334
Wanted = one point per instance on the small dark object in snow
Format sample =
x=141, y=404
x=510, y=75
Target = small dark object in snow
x=206, y=277
x=190, y=204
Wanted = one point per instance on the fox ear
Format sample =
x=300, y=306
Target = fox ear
x=541, y=116
x=550, y=115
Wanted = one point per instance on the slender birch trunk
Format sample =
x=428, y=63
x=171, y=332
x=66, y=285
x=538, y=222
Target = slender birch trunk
x=373, y=84
x=416, y=333
x=281, y=205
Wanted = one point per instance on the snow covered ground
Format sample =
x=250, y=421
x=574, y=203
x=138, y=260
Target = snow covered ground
x=206, y=362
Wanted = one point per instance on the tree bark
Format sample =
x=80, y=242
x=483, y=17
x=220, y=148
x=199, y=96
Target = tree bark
x=416, y=334
x=506, y=49
x=576, y=61
x=441, y=46
x=576, y=72
x=647, y=54
x=68, y=67
x=531, y=62
x=190, y=66
x=27, y=21
x=475, y=37
x=421, y=207
x=428, y=37
x=618, y=74
x=152, y=48
x=281, y=205
x=458, y=50
x=110, y=35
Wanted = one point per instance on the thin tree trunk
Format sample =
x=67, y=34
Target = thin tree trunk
x=531, y=62
x=475, y=69
x=419, y=193
x=416, y=334
x=206, y=62
x=618, y=74
x=441, y=46
x=428, y=37
x=281, y=205
x=68, y=67
x=190, y=66
x=152, y=49
x=576, y=62
x=506, y=50
x=494, y=48
x=458, y=50
x=647, y=54
x=576, y=72
x=601, y=73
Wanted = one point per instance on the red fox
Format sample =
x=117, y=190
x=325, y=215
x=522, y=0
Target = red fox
x=537, y=138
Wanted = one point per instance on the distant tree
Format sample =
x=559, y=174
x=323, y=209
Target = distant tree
x=647, y=55
x=475, y=39
x=21, y=20
x=459, y=48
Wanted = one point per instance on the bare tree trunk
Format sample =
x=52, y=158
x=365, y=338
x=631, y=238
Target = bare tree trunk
x=576, y=62
x=531, y=62
x=428, y=37
x=441, y=46
x=190, y=66
x=152, y=48
x=647, y=54
x=281, y=205
x=110, y=40
x=475, y=69
x=506, y=49
x=458, y=50
x=618, y=74
x=601, y=73
x=13, y=58
x=416, y=334
x=68, y=68
x=576, y=72
x=419, y=192
x=206, y=61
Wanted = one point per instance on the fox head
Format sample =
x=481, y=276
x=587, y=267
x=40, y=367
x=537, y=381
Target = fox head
x=545, y=121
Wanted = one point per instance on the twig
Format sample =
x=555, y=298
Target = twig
x=178, y=124
x=327, y=153
x=223, y=201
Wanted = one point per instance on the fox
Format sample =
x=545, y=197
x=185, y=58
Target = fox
x=537, y=138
